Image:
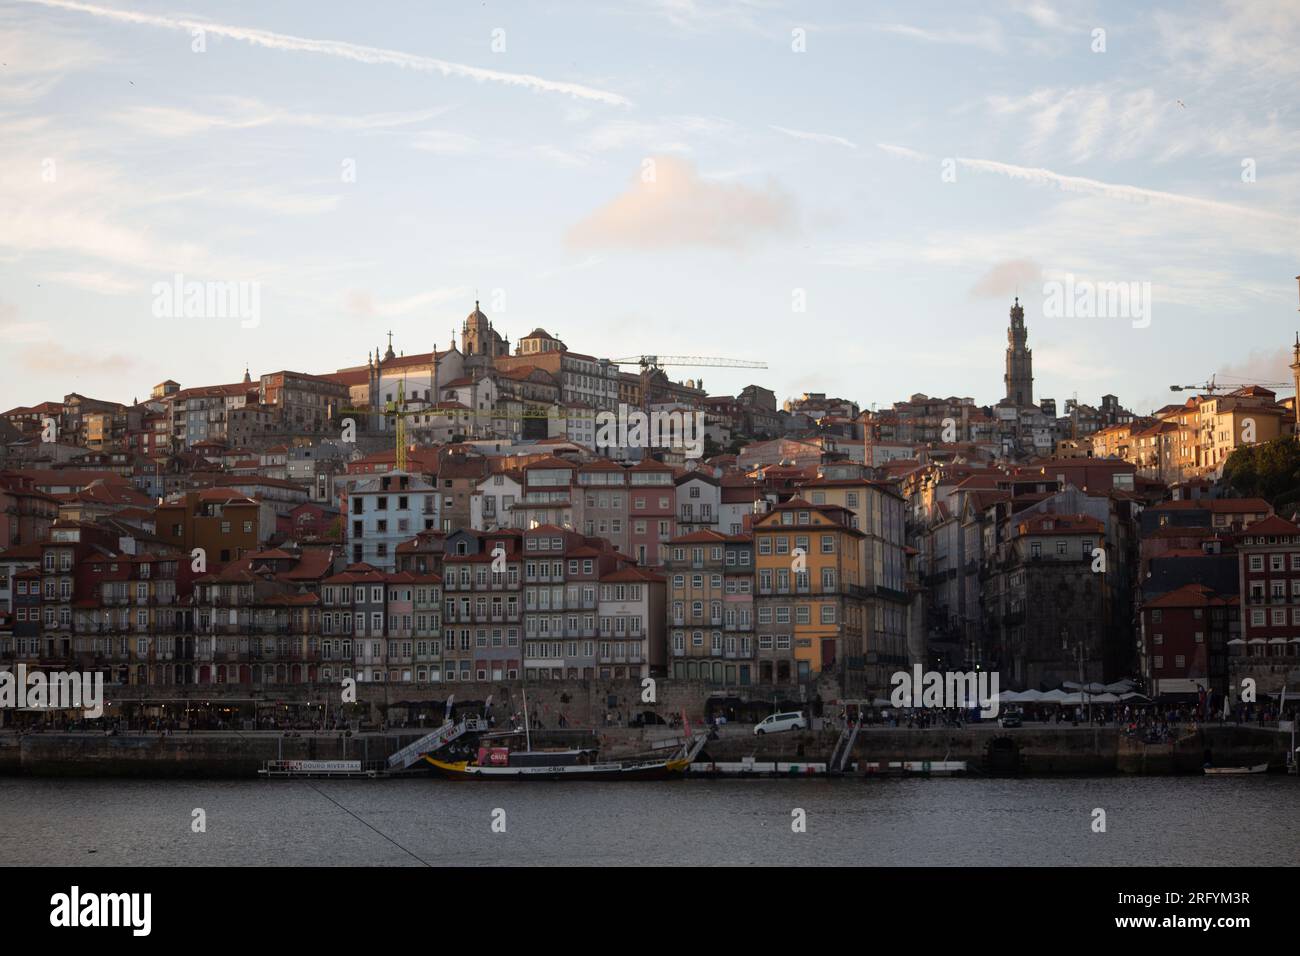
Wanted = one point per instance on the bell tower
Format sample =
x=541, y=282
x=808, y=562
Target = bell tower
x=1019, y=377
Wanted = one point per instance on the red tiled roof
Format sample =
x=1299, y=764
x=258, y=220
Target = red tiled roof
x=632, y=574
x=1273, y=526
x=1189, y=595
x=1060, y=524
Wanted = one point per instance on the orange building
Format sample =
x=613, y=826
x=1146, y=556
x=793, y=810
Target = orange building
x=809, y=595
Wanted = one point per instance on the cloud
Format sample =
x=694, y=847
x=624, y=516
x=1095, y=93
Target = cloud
x=695, y=16
x=1252, y=42
x=242, y=114
x=562, y=157
x=361, y=302
x=32, y=69
x=824, y=138
x=104, y=283
x=681, y=208
x=1105, y=120
x=52, y=357
x=443, y=142
x=1261, y=365
x=341, y=49
x=666, y=135
x=904, y=152
x=1137, y=194
x=989, y=38
x=1013, y=277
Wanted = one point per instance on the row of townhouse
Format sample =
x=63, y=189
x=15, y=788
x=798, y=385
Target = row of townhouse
x=1195, y=439
x=630, y=507
x=812, y=587
x=94, y=601
x=1220, y=597
x=1028, y=571
x=548, y=603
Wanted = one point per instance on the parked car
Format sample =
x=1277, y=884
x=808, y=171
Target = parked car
x=1012, y=719
x=776, y=723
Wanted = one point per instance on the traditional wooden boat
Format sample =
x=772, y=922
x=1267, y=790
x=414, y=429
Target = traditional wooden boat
x=501, y=763
x=1229, y=771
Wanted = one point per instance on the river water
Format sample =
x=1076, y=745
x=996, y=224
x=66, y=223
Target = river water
x=1149, y=821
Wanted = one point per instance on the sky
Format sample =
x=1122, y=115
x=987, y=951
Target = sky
x=852, y=193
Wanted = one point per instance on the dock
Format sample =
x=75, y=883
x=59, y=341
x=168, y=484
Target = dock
x=334, y=769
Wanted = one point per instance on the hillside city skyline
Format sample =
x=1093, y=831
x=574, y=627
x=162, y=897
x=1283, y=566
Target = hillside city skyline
x=370, y=176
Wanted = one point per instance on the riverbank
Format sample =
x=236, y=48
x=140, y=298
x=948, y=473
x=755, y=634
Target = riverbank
x=1033, y=750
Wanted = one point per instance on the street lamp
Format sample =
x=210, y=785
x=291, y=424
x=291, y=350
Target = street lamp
x=1078, y=650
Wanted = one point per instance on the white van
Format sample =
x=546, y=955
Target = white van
x=775, y=723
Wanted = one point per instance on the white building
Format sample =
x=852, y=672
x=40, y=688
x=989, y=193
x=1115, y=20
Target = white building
x=490, y=504
x=384, y=511
x=699, y=503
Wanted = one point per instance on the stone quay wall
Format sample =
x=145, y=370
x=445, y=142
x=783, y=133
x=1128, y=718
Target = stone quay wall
x=1042, y=751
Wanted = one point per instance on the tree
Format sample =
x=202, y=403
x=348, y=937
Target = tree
x=1270, y=470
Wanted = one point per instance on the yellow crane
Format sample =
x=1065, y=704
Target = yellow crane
x=649, y=364
x=393, y=409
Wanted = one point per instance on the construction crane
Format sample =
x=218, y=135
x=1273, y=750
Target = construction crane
x=650, y=364
x=392, y=409
x=1213, y=386
x=699, y=361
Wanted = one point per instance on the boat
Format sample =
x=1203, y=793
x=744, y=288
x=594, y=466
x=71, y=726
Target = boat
x=502, y=763
x=1225, y=771
x=499, y=762
x=923, y=768
x=749, y=767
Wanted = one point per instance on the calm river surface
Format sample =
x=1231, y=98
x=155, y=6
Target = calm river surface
x=943, y=822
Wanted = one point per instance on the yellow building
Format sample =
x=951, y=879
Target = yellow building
x=809, y=595
x=1224, y=423
x=879, y=512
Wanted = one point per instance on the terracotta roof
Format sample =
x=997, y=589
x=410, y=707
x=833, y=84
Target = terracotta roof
x=632, y=574
x=699, y=537
x=1216, y=505
x=1273, y=526
x=1060, y=524
x=21, y=552
x=1189, y=595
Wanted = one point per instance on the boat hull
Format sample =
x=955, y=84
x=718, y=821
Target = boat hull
x=1235, y=771
x=463, y=770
